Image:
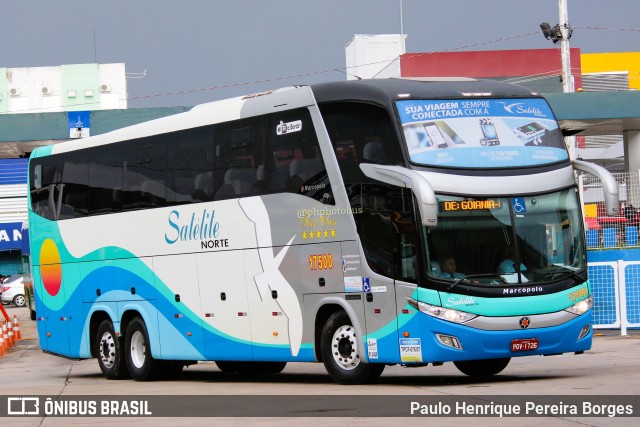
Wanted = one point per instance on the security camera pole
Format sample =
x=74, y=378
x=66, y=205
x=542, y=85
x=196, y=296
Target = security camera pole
x=561, y=33
x=565, y=30
x=565, y=55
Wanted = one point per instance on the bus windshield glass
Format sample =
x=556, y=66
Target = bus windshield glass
x=480, y=133
x=498, y=240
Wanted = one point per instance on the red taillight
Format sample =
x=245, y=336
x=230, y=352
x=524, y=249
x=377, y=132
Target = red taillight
x=5, y=288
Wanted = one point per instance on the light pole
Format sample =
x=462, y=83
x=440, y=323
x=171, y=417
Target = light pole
x=566, y=31
x=561, y=33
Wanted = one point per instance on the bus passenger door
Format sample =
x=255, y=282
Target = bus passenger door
x=225, y=308
x=380, y=318
x=386, y=226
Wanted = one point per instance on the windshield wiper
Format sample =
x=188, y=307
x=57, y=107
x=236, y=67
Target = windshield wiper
x=454, y=284
x=562, y=269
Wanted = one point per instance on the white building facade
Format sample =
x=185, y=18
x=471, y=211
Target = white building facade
x=75, y=87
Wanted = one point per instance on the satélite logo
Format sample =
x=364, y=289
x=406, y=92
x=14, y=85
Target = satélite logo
x=521, y=108
x=203, y=227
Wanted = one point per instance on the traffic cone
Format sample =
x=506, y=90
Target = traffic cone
x=5, y=334
x=16, y=328
x=12, y=338
x=2, y=346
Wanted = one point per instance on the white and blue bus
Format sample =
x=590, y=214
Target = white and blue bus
x=358, y=223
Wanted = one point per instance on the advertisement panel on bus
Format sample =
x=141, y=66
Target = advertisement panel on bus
x=481, y=132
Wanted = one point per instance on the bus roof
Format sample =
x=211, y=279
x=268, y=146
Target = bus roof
x=380, y=91
x=383, y=91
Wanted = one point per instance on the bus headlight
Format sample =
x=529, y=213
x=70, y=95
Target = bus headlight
x=581, y=307
x=448, y=314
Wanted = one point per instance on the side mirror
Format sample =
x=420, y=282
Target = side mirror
x=408, y=178
x=609, y=185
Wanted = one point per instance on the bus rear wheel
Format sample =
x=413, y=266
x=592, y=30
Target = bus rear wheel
x=108, y=349
x=341, y=355
x=142, y=366
x=482, y=368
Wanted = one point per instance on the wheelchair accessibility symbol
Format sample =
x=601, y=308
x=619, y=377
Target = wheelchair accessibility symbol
x=518, y=205
x=365, y=285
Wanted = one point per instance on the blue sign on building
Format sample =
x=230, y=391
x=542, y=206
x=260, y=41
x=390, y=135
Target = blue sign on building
x=79, y=124
x=10, y=236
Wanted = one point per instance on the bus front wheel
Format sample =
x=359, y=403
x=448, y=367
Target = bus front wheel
x=341, y=355
x=108, y=348
x=482, y=368
x=142, y=366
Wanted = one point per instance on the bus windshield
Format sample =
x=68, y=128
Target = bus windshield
x=497, y=240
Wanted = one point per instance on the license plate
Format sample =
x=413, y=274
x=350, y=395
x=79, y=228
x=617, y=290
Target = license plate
x=526, y=344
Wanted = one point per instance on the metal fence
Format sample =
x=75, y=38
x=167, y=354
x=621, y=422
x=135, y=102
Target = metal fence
x=615, y=283
x=605, y=232
x=616, y=294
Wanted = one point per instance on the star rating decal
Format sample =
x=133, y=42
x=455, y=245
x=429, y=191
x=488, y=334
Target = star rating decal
x=318, y=234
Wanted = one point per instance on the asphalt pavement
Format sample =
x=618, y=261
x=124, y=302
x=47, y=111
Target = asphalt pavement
x=611, y=368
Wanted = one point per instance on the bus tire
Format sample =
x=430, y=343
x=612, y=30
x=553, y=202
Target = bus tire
x=341, y=355
x=482, y=368
x=108, y=349
x=142, y=366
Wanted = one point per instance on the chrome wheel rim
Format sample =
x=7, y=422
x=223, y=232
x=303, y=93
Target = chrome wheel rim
x=138, y=349
x=344, y=348
x=107, y=350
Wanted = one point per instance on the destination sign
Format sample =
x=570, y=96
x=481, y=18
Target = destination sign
x=470, y=205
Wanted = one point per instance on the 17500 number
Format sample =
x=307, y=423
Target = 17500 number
x=320, y=262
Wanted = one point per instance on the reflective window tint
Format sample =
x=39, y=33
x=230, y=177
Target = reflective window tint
x=295, y=163
x=105, y=179
x=360, y=133
x=387, y=229
x=245, y=157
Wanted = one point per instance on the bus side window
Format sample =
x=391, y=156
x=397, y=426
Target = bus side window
x=239, y=154
x=143, y=169
x=188, y=175
x=75, y=179
x=387, y=230
x=296, y=165
x=105, y=180
x=360, y=133
x=42, y=177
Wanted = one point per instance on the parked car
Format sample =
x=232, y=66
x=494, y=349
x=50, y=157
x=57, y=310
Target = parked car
x=13, y=290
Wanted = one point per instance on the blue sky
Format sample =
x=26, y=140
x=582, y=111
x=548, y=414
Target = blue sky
x=197, y=51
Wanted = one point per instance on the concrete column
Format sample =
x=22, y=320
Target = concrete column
x=631, y=141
